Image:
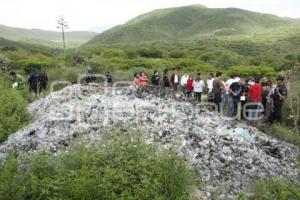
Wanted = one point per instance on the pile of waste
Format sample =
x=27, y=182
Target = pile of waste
x=228, y=155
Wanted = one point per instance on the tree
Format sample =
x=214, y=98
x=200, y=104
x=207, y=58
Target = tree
x=293, y=100
x=62, y=24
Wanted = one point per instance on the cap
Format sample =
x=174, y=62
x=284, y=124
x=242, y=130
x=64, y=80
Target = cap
x=280, y=78
x=12, y=72
x=237, y=79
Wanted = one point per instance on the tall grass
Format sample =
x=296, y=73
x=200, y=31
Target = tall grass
x=273, y=189
x=13, y=112
x=121, y=166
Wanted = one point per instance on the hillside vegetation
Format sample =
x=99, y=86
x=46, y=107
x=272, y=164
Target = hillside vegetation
x=192, y=22
x=46, y=38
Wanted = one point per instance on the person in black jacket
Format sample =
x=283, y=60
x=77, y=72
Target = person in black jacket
x=236, y=90
x=166, y=80
x=279, y=95
x=155, y=78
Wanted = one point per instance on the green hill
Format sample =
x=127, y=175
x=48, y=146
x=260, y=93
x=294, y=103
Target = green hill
x=9, y=45
x=191, y=22
x=46, y=38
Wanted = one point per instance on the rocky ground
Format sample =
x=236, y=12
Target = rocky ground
x=227, y=154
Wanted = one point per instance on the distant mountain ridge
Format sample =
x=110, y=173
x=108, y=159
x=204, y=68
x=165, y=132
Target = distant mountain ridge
x=43, y=37
x=190, y=22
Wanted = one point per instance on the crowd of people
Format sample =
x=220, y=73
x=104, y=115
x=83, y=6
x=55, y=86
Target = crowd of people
x=256, y=99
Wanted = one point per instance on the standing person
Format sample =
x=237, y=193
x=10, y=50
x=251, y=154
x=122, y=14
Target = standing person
x=136, y=80
x=218, y=87
x=266, y=87
x=33, y=82
x=183, y=83
x=143, y=80
x=210, y=81
x=244, y=98
x=184, y=80
x=175, y=81
x=108, y=78
x=19, y=80
x=236, y=91
x=227, y=97
x=43, y=81
x=269, y=103
x=279, y=95
x=165, y=84
x=155, y=78
x=138, y=84
x=166, y=80
x=198, y=86
x=254, y=96
x=189, y=87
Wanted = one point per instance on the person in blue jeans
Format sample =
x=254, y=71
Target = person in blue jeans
x=236, y=90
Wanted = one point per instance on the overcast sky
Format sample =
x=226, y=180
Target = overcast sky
x=85, y=14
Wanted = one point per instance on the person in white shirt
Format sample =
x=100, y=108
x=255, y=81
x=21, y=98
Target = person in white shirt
x=184, y=79
x=175, y=81
x=183, y=82
x=209, y=82
x=198, y=85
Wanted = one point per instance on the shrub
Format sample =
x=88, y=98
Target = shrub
x=227, y=59
x=13, y=113
x=110, y=53
x=177, y=54
x=120, y=166
x=275, y=189
x=252, y=71
x=151, y=52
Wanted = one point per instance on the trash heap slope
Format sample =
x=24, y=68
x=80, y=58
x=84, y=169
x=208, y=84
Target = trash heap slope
x=224, y=152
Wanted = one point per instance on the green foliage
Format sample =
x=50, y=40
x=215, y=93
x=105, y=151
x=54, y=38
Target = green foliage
x=177, y=54
x=282, y=132
x=252, y=71
x=227, y=59
x=110, y=53
x=275, y=189
x=45, y=38
x=190, y=23
x=13, y=112
x=150, y=52
x=121, y=166
x=64, y=73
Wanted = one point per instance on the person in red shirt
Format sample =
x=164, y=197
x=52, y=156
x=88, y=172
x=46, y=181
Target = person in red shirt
x=143, y=79
x=255, y=96
x=189, y=87
x=136, y=80
x=255, y=92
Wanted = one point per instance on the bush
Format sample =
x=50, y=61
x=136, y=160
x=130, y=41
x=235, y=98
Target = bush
x=177, y=54
x=13, y=112
x=151, y=52
x=252, y=71
x=120, y=166
x=227, y=59
x=275, y=189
